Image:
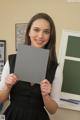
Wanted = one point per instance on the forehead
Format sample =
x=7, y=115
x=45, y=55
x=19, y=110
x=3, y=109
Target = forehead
x=41, y=23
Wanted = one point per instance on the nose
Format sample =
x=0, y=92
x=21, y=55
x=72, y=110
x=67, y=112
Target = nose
x=40, y=35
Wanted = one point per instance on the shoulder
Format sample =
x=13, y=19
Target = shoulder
x=11, y=56
x=59, y=73
x=59, y=69
x=12, y=59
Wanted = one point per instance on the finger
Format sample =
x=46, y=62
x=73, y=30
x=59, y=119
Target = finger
x=44, y=81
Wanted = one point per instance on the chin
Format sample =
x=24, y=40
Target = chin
x=38, y=46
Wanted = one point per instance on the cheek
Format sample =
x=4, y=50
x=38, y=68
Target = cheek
x=32, y=34
x=47, y=38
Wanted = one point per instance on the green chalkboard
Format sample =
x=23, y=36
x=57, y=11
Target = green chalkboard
x=71, y=70
x=71, y=77
x=73, y=46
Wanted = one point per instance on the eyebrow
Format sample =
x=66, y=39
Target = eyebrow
x=43, y=29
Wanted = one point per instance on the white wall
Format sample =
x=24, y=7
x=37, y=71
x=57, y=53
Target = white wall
x=66, y=15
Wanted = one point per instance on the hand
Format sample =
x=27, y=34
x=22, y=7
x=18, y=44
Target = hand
x=11, y=79
x=45, y=87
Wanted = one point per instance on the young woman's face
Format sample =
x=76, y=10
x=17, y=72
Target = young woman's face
x=39, y=33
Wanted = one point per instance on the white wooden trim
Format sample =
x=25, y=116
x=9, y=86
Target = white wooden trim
x=61, y=58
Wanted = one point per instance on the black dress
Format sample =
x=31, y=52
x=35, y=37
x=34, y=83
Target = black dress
x=26, y=103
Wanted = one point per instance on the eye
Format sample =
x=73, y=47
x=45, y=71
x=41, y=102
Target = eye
x=46, y=31
x=36, y=29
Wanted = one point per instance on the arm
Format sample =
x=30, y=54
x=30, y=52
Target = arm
x=4, y=95
x=50, y=104
x=6, y=83
x=3, y=90
x=51, y=101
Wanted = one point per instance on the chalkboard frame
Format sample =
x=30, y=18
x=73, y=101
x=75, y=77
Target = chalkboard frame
x=61, y=59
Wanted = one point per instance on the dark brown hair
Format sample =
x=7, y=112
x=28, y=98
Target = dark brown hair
x=52, y=40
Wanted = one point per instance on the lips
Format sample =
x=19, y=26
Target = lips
x=39, y=41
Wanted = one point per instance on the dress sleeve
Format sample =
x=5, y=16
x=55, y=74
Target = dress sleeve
x=5, y=72
x=57, y=84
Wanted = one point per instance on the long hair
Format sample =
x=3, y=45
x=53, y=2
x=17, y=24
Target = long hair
x=52, y=40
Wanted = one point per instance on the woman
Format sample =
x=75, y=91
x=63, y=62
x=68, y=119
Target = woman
x=30, y=102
